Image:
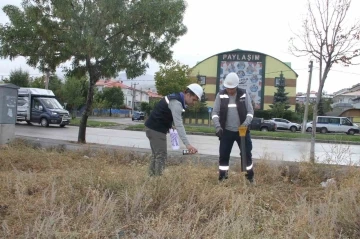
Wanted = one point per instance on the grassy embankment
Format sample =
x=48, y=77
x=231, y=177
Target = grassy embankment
x=83, y=194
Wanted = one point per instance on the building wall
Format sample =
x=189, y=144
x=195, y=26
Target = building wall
x=273, y=68
x=208, y=67
x=343, y=99
x=353, y=114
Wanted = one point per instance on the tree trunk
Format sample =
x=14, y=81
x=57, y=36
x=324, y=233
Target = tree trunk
x=47, y=78
x=313, y=134
x=316, y=105
x=110, y=111
x=89, y=101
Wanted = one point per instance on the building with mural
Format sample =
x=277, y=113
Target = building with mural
x=259, y=74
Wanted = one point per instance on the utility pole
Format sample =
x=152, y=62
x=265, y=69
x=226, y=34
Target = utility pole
x=134, y=96
x=307, y=99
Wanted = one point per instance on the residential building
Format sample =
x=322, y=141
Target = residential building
x=347, y=98
x=346, y=103
x=133, y=95
x=301, y=97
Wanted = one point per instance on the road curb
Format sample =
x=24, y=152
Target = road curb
x=272, y=138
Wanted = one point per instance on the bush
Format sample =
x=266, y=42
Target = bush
x=266, y=114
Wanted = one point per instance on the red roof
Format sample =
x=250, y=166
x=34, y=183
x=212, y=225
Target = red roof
x=153, y=94
x=116, y=83
x=112, y=83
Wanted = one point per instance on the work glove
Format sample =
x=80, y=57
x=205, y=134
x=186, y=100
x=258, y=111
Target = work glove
x=219, y=132
x=247, y=121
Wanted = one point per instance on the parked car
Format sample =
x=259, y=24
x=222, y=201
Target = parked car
x=309, y=126
x=286, y=124
x=326, y=124
x=262, y=125
x=138, y=115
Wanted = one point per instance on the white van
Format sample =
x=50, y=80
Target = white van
x=326, y=124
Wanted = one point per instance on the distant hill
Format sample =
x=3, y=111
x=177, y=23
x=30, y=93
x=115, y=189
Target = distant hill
x=145, y=81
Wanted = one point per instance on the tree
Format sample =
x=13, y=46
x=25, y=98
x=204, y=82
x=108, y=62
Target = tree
x=55, y=84
x=34, y=34
x=113, y=97
x=321, y=110
x=19, y=78
x=327, y=37
x=172, y=77
x=278, y=110
x=280, y=96
x=145, y=107
x=38, y=82
x=100, y=38
x=75, y=92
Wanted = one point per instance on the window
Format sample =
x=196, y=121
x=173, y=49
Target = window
x=51, y=103
x=201, y=80
x=278, y=81
x=323, y=120
x=334, y=121
x=36, y=104
x=345, y=121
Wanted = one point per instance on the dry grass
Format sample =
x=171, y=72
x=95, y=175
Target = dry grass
x=52, y=194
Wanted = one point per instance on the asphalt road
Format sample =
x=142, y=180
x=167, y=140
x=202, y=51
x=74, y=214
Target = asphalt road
x=264, y=149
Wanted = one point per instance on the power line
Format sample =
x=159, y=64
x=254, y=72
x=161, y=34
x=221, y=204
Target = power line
x=352, y=73
x=266, y=73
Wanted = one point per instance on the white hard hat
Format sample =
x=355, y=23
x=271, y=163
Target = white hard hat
x=231, y=80
x=197, y=89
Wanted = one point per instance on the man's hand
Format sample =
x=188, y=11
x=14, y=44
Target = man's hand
x=247, y=121
x=219, y=132
x=191, y=149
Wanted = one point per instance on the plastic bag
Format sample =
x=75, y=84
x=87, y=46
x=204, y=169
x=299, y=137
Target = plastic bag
x=174, y=137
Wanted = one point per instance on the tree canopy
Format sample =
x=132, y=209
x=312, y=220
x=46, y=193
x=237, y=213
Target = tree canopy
x=113, y=97
x=19, y=78
x=172, y=77
x=99, y=38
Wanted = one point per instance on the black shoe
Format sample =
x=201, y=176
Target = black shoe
x=251, y=181
x=223, y=174
x=222, y=178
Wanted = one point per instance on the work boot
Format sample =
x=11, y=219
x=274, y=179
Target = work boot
x=250, y=177
x=223, y=174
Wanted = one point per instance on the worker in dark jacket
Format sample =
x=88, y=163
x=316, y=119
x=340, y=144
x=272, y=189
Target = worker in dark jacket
x=168, y=111
x=232, y=108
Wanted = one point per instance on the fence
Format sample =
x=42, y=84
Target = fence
x=197, y=118
x=114, y=112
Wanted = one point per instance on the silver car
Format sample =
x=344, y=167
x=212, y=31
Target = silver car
x=286, y=124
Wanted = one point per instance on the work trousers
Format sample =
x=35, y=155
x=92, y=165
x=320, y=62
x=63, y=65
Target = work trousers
x=226, y=143
x=159, y=152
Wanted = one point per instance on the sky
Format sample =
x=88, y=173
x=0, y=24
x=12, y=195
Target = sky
x=217, y=26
